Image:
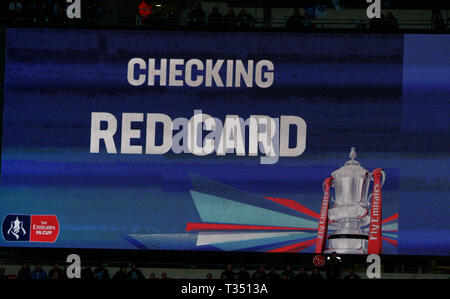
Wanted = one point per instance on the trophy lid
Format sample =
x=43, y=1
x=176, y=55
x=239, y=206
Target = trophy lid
x=351, y=167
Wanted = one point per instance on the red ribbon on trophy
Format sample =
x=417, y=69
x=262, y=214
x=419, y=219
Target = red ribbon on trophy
x=375, y=245
x=323, y=220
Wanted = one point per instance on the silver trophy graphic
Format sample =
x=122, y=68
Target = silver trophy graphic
x=350, y=210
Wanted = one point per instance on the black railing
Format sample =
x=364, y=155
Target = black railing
x=258, y=24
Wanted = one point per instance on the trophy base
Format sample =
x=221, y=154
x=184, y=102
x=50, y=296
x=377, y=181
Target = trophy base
x=347, y=244
x=346, y=251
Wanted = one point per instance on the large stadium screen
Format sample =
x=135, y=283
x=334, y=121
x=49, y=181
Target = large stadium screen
x=257, y=142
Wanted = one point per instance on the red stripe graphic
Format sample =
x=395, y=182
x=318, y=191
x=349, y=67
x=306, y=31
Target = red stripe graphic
x=295, y=247
x=294, y=205
x=389, y=219
x=390, y=241
x=375, y=245
x=322, y=230
x=217, y=226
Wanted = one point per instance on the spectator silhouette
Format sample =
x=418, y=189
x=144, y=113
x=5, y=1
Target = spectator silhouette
x=302, y=275
x=15, y=9
x=55, y=269
x=101, y=273
x=391, y=21
x=197, y=16
x=352, y=275
x=243, y=274
x=229, y=19
x=24, y=272
x=288, y=272
x=333, y=266
x=316, y=275
x=437, y=22
x=135, y=273
x=38, y=273
x=259, y=274
x=56, y=276
x=228, y=272
x=215, y=18
x=273, y=275
x=295, y=21
x=246, y=20
x=121, y=274
x=2, y=273
x=307, y=21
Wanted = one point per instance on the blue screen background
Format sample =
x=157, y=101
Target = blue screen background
x=385, y=94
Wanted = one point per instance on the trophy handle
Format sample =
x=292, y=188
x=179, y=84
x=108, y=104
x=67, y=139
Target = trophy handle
x=323, y=189
x=323, y=185
x=383, y=177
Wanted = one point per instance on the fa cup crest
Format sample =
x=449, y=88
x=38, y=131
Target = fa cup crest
x=16, y=228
